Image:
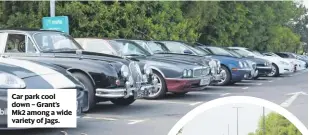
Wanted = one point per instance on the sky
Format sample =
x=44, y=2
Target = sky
x=218, y=120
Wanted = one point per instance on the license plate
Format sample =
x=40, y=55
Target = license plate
x=205, y=81
x=144, y=93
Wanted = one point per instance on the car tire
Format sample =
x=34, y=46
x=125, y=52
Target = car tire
x=255, y=78
x=227, y=79
x=89, y=87
x=232, y=82
x=162, y=90
x=275, y=71
x=123, y=101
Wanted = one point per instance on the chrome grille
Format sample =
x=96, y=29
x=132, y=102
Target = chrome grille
x=215, y=68
x=136, y=74
x=200, y=72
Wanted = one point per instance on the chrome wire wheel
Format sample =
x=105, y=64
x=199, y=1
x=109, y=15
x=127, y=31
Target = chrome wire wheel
x=158, y=86
x=223, y=76
x=273, y=70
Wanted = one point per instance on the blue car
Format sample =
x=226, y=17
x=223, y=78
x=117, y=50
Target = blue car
x=232, y=69
x=259, y=67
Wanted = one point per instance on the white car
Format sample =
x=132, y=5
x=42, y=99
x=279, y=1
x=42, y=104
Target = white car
x=278, y=64
x=301, y=65
x=298, y=64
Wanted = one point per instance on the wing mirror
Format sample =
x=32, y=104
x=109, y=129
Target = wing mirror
x=187, y=52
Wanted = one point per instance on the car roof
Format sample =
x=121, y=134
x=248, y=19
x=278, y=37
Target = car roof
x=27, y=30
x=241, y=48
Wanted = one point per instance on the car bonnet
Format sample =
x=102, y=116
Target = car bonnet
x=25, y=69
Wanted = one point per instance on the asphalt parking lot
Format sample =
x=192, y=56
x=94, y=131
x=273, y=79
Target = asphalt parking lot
x=156, y=117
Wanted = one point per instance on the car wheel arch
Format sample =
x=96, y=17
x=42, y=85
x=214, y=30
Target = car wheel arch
x=74, y=70
x=227, y=67
x=157, y=70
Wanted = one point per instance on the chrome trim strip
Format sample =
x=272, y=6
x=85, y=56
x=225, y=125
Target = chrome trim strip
x=258, y=67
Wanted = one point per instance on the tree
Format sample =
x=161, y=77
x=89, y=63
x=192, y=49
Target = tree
x=276, y=124
x=260, y=25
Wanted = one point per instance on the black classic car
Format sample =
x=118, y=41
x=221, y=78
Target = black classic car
x=158, y=49
x=173, y=75
x=22, y=74
x=106, y=77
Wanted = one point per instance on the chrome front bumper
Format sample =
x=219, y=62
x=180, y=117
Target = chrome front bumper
x=144, y=91
x=263, y=67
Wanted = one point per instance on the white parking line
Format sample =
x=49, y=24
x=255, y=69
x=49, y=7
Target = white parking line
x=270, y=81
x=294, y=96
x=196, y=103
x=222, y=87
x=99, y=118
x=64, y=132
x=167, y=102
x=250, y=83
x=225, y=94
x=245, y=88
x=112, y=119
x=135, y=121
x=208, y=93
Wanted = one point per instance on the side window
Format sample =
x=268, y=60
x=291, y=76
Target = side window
x=30, y=46
x=15, y=43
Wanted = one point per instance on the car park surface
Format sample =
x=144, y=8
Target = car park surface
x=158, y=117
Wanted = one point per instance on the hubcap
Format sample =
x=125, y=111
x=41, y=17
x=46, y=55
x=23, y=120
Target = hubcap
x=222, y=76
x=158, y=86
x=273, y=70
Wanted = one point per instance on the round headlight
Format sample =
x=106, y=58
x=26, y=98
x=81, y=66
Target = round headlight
x=240, y=64
x=9, y=81
x=190, y=72
x=185, y=73
x=125, y=71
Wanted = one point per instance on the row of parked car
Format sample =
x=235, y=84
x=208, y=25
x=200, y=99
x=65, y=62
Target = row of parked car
x=122, y=70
